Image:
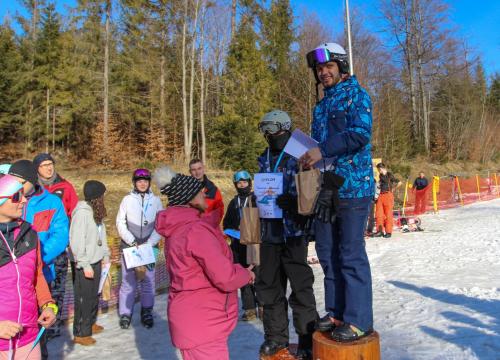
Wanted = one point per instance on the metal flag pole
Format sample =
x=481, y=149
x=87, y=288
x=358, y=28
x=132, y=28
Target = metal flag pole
x=349, y=42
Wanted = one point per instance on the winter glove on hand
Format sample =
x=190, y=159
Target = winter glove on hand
x=304, y=223
x=287, y=202
x=328, y=198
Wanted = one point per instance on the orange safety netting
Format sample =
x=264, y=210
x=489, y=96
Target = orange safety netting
x=161, y=281
x=450, y=191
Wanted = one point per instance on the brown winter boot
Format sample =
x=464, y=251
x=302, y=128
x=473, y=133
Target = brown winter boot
x=84, y=340
x=96, y=329
x=249, y=315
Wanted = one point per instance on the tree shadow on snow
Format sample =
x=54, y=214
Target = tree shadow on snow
x=467, y=332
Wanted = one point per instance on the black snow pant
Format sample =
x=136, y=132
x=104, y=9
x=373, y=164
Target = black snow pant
x=86, y=300
x=57, y=290
x=280, y=263
x=248, y=296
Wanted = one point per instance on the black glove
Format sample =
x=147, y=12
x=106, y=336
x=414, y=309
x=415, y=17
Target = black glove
x=328, y=199
x=304, y=223
x=287, y=202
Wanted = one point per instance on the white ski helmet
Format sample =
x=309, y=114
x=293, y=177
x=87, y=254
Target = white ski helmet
x=327, y=52
x=275, y=121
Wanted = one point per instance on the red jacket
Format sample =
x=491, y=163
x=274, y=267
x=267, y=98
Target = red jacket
x=66, y=193
x=213, y=198
x=202, y=300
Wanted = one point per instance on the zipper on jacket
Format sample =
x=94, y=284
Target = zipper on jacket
x=142, y=212
x=226, y=305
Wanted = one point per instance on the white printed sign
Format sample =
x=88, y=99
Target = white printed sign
x=267, y=187
x=139, y=255
x=104, y=275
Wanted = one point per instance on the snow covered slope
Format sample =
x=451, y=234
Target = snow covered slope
x=436, y=296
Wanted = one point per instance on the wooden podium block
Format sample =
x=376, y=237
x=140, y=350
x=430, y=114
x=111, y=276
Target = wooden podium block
x=366, y=348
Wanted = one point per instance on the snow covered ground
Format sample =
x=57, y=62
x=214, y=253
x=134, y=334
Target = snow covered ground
x=436, y=296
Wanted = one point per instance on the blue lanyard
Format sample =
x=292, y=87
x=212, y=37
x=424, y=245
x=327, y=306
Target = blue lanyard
x=277, y=162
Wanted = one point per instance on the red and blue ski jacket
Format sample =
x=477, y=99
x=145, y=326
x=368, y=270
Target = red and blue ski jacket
x=46, y=213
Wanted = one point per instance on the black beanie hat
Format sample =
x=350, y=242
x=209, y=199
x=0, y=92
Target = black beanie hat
x=180, y=189
x=40, y=158
x=93, y=189
x=25, y=170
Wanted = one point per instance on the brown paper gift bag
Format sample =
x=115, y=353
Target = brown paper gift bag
x=106, y=289
x=308, y=186
x=250, y=225
x=253, y=254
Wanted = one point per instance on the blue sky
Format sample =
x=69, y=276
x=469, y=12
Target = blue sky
x=478, y=22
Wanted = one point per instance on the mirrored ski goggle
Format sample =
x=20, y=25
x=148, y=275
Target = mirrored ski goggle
x=16, y=197
x=320, y=56
x=142, y=173
x=270, y=127
x=241, y=175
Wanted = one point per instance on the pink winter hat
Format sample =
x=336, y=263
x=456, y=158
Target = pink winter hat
x=8, y=187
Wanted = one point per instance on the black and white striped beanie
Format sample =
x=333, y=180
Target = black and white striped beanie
x=180, y=189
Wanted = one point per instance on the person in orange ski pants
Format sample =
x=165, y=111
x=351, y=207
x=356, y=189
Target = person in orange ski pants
x=385, y=202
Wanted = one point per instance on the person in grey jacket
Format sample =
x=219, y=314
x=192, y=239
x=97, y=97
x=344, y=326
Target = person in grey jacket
x=89, y=251
x=135, y=222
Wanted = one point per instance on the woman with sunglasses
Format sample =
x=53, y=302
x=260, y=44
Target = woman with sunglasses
x=89, y=251
x=135, y=222
x=24, y=289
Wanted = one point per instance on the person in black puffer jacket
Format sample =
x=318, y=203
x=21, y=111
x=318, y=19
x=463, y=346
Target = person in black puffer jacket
x=243, y=184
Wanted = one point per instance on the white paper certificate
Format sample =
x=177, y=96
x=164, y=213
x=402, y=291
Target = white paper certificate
x=299, y=143
x=104, y=275
x=137, y=256
x=267, y=187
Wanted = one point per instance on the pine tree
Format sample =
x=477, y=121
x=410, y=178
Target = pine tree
x=494, y=94
x=234, y=139
x=278, y=35
x=10, y=64
x=48, y=52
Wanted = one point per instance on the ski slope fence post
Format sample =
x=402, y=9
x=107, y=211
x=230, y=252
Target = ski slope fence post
x=496, y=185
x=435, y=190
x=405, y=196
x=478, y=188
x=459, y=191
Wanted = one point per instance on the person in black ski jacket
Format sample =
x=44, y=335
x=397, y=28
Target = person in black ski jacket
x=243, y=183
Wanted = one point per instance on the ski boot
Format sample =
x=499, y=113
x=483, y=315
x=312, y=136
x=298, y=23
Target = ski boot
x=379, y=233
x=147, y=317
x=125, y=321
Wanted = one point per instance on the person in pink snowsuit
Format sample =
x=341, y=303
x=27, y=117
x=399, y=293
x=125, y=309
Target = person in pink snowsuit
x=203, y=300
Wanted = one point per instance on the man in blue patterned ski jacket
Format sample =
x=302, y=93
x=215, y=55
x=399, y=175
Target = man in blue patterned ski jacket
x=342, y=125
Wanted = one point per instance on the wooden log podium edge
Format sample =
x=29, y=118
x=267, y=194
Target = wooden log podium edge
x=366, y=348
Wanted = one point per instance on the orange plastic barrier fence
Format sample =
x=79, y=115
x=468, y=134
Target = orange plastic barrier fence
x=161, y=278
x=451, y=191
